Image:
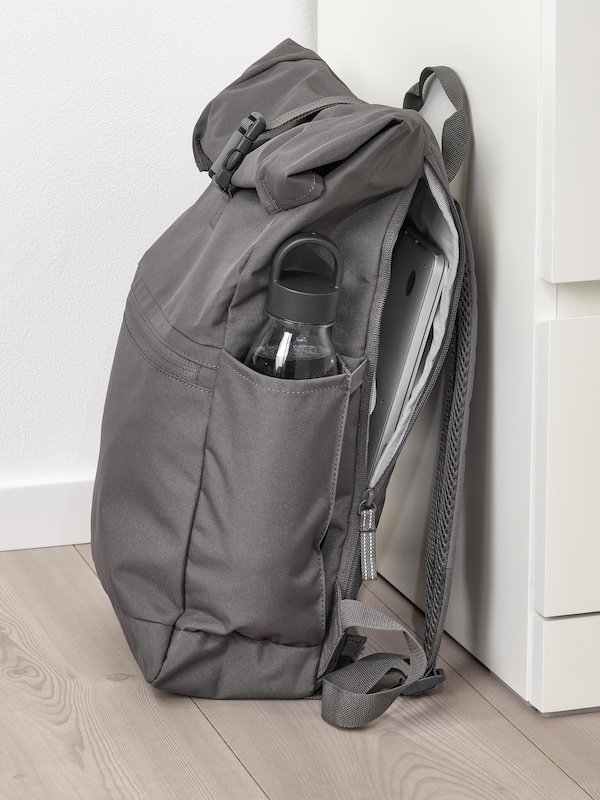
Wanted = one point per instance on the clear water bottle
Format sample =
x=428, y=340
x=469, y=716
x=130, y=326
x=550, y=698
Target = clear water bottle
x=302, y=299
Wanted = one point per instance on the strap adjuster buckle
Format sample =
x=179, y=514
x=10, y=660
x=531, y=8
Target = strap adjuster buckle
x=425, y=683
x=237, y=148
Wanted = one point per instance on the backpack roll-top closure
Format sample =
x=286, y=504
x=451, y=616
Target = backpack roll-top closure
x=316, y=131
x=334, y=149
x=273, y=84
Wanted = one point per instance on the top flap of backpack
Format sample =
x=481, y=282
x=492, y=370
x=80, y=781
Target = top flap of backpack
x=380, y=148
x=275, y=83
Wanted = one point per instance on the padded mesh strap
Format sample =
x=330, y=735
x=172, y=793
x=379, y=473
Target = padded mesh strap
x=362, y=691
x=456, y=133
x=441, y=540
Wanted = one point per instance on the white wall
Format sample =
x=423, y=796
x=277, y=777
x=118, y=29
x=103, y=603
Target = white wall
x=98, y=105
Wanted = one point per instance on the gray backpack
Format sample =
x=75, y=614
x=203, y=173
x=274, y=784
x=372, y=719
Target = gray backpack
x=233, y=522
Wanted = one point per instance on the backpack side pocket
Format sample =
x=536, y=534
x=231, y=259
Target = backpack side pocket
x=255, y=569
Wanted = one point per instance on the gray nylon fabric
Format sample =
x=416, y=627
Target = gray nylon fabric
x=225, y=525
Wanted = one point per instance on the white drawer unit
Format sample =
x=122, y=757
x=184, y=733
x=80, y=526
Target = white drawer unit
x=566, y=577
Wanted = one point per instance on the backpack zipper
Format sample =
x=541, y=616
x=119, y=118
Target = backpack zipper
x=292, y=118
x=365, y=547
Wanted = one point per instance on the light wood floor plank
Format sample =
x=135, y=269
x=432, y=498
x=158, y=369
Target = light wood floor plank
x=85, y=551
x=451, y=745
x=78, y=721
x=81, y=723
x=570, y=741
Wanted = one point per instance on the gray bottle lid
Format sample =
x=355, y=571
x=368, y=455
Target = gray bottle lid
x=303, y=287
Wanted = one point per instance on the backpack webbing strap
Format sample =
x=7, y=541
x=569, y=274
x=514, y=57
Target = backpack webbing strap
x=456, y=132
x=362, y=691
x=443, y=525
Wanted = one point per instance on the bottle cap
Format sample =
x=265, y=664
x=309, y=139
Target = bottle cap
x=303, y=287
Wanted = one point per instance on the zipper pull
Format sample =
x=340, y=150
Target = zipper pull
x=367, y=512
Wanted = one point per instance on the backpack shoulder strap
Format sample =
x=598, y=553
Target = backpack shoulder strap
x=460, y=364
x=358, y=693
x=361, y=691
x=456, y=133
x=443, y=526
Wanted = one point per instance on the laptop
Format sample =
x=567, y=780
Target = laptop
x=417, y=270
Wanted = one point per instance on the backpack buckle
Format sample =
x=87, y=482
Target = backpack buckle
x=237, y=148
x=425, y=683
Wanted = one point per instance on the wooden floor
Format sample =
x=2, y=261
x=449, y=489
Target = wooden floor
x=78, y=721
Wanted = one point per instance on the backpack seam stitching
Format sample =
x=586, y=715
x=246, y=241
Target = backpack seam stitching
x=162, y=371
x=302, y=196
x=170, y=346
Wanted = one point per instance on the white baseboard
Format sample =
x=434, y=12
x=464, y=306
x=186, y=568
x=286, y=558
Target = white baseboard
x=45, y=514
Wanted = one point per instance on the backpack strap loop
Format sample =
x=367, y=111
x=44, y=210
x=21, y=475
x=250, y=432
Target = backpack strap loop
x=456, y=133
x=360, y=692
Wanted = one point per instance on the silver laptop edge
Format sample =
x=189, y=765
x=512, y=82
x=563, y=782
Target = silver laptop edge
x=415, y=290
